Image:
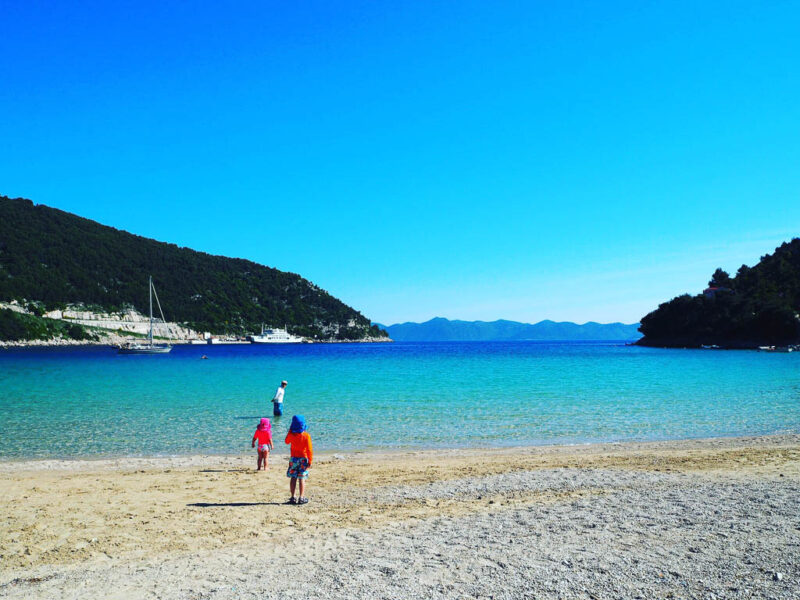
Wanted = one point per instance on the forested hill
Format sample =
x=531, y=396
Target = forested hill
x=759, y=306
x=59, y=258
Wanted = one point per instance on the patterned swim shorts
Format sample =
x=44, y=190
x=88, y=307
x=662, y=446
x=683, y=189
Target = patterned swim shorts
x=298, y=467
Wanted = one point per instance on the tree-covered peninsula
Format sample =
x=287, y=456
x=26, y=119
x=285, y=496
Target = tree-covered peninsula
x=760, y=305
x=54, y=258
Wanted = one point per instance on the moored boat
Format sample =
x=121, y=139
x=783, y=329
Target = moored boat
x=149, y=347
x=275, y=336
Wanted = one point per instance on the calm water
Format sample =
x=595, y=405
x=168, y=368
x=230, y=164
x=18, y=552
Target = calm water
x=93, y=402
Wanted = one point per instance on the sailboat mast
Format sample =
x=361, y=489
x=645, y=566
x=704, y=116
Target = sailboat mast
x=150, y=335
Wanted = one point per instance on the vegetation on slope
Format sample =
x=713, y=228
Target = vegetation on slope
x=59, y=258
x=759, y=306
x=20, y=327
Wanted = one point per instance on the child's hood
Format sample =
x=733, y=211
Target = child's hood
x=298, y=424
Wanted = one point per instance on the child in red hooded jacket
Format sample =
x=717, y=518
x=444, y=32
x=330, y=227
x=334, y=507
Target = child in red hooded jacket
x=263, y=436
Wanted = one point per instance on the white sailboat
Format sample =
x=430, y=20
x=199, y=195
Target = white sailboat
x=149, y=347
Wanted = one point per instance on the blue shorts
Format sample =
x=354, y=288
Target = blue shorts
x=298, y=468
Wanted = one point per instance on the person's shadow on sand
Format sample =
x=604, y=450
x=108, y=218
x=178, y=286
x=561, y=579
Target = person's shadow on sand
x=235, y=470
x=216, y=504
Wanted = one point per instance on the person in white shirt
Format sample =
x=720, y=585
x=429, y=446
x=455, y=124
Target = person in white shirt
x=277, y=400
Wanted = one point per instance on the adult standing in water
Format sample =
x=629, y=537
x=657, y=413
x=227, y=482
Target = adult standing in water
x=277, y=400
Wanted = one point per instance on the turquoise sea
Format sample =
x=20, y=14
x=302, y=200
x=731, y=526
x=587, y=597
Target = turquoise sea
x=92, y=402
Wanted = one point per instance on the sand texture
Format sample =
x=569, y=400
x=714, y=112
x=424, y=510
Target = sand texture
x=693, y=519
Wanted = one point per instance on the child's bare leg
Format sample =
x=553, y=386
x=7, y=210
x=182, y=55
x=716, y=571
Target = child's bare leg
x=258, y=463
x=266, y=460
x=292, y=484
x=302, y=488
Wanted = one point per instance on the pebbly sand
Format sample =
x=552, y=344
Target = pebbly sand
x=691, y=519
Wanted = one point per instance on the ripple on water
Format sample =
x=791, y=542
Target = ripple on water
x=93, y=402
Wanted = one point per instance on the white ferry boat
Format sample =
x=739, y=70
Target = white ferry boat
x=275, y=336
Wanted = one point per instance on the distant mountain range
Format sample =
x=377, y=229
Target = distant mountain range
x=440, y=330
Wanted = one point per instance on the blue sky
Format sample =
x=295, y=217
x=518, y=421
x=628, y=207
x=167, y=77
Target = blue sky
x=473, y=160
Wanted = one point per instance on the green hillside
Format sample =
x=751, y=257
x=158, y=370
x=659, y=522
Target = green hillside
x=58, y=258
x=759, y=306
x=17, y=327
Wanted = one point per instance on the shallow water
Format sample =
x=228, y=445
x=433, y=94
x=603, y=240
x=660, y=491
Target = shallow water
x=92, y=402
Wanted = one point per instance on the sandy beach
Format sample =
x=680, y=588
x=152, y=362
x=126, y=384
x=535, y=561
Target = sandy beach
x=687, y=519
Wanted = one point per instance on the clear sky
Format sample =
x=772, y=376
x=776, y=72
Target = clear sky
x=473, y=160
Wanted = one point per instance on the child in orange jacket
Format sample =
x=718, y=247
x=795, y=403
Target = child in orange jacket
x=302, y=455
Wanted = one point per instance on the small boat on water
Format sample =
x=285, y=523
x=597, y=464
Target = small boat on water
x=149, y=347
x=275, y=336
x=775, y=348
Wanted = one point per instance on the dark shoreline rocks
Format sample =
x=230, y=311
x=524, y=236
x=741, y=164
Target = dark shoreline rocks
x=693, y=343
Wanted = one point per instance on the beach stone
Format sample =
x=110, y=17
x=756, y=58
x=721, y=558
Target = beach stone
x=647, y=524
x=777, y=576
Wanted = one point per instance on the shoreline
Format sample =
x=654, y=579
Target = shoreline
x=11, y=464
x=790, y=346
x=63, y=343
x=681, y=518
